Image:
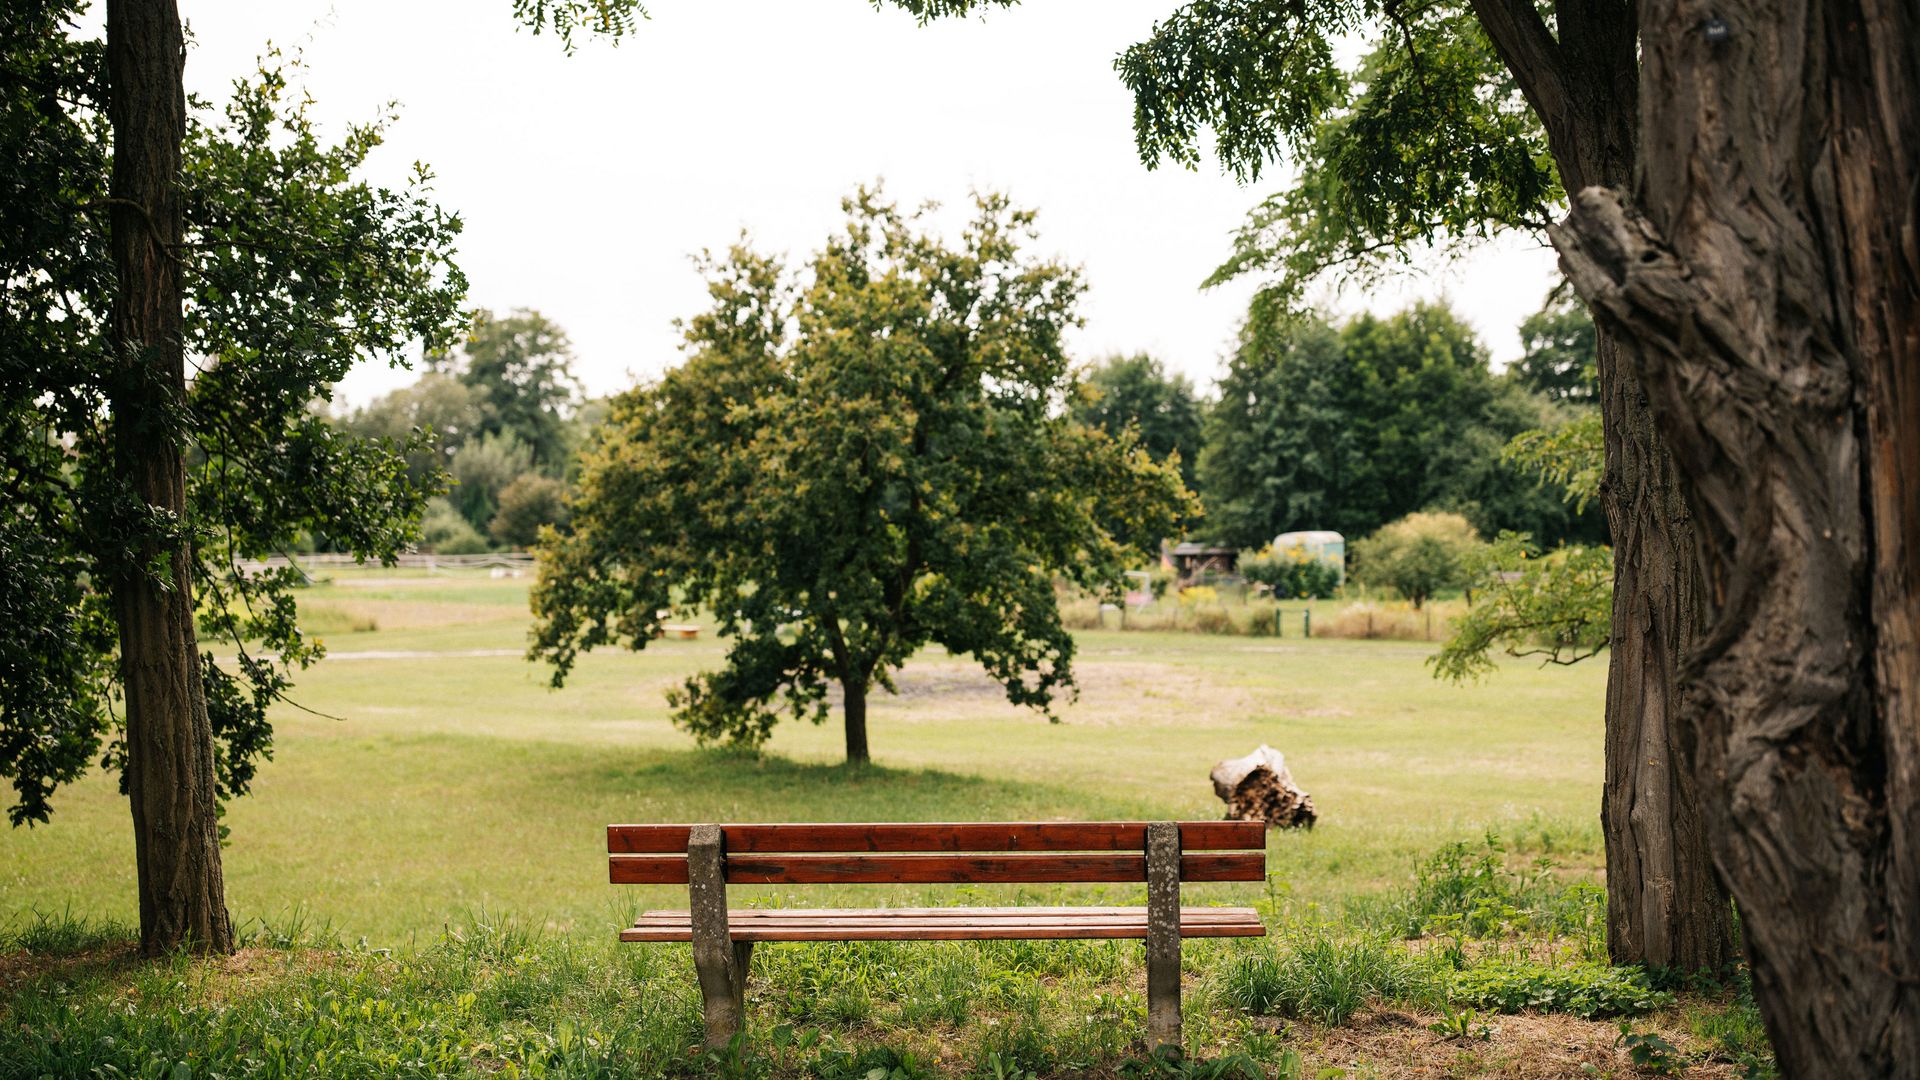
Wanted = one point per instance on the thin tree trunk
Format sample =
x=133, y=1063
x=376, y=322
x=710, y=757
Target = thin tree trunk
x=1665, y=906
x=169, y=741
x=854, y=704
x=1765, y=283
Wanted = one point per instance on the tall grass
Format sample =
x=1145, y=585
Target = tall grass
x=1358, y=618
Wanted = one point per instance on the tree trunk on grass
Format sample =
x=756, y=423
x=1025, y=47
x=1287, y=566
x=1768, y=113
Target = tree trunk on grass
x=1764, y=280
x=169, y=740
x=1664, y=905
x=854, y=704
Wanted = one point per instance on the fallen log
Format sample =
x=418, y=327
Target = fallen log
x=1258, y=787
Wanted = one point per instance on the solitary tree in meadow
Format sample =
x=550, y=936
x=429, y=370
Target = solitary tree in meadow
x=851, y=466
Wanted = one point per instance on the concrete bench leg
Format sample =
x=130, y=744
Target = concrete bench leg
x=1163, y=936
x=721, y=962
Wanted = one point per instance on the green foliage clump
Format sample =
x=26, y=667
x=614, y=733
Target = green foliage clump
x=519, y=369
x=1290, y=574
x=446, y=531
x=1586, y=990
x=1558, y=606
x=1571, y=455
x=851, y=466
x=434, y=417
x=1557, y=359
x=1318, y=975
x=1135, y=393
x=1419, y=555
x=482, y=469
x=528, y=503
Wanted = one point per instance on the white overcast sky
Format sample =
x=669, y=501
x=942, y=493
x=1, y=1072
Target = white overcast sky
x=585, y=181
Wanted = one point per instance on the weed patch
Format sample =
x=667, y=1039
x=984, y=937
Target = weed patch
x=1586, y=990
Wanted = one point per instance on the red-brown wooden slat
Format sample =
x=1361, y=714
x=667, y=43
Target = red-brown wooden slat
x=1224, y=866
x=813, y=914
x=647, y=869
x=932, y=869
x=1103, y=920
x=945, y=934
x=938, y=926
x=936, y=836
x=1090, y=925
x=911, y=869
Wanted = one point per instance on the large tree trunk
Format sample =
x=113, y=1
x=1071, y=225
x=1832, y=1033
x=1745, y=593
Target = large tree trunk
x=1765, y=283
x=854, y=705
x=1664, y=904
x=169, y=741
x=1665, y=907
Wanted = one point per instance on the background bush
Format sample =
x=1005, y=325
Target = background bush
x=1291, y=574
x=1418, y=555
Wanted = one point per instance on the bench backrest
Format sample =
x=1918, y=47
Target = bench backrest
x=931, y=853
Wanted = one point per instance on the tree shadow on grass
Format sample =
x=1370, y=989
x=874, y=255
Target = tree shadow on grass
x=734, y=785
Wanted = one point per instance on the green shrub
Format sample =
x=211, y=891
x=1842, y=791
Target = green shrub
x=446, y=532
x=1584, y=989
x=1467, y=889
x=1292, y=574
x=528, y=502
x=1418, y=555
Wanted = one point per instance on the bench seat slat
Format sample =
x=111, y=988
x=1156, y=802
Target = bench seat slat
x=937, y=836
x=951, y=924
x=813, y=914
x=914, y=869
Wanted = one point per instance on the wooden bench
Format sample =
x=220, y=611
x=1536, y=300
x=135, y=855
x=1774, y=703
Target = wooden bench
x=706, y=858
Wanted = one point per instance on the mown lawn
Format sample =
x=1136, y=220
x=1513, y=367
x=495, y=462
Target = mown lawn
x=439, y=828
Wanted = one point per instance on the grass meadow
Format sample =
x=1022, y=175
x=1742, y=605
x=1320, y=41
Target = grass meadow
x=421, y=869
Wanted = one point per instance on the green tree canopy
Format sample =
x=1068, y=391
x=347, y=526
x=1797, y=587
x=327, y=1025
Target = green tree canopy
x=294, y=269
x=1349, y=428
x=527, y=503
x=1558, y=345
x=1427, y=145
x=849, y=466
x=1136, y=392
x=519, y=368
x=437, y=405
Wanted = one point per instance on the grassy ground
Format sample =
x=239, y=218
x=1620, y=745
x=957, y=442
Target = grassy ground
x=439, y=832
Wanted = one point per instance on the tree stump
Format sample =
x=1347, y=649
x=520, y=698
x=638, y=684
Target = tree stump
x=1258, y=787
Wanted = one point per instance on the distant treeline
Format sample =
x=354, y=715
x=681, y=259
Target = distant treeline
x=1314, y=425
x=1348, y=427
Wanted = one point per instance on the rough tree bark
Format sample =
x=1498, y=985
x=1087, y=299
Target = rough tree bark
x=1763, y=279
x=169, y=741
x=1664, y=905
